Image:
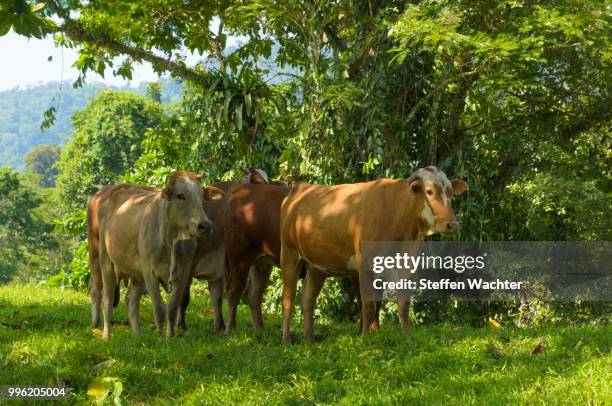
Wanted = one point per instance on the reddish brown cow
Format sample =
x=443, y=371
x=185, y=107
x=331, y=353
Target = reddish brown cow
x=252, y=233
x=324, y=226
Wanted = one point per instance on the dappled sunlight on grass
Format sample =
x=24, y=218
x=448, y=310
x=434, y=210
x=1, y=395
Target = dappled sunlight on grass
x=46, y=339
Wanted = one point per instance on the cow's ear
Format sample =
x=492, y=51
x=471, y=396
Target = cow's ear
x=257, y=175
x=213, y=193
x=416, y=186
x=165, y=193
x=459, y=186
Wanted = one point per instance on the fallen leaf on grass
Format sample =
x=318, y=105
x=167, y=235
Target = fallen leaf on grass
x=497, y=352
x=98, y=389
x=493, y=324
x=101, y=387
x=539, y=349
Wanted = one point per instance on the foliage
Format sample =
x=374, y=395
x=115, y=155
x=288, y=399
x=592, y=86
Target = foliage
x=512, y=96
x=47, y=341
x=23, y=233
x=25, y=18
x=40, y=160
x=21, y=113
x=108, y=133
x=76, y=274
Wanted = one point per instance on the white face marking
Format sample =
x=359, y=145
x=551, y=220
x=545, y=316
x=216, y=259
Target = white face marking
x=436, y=177
x=351, y=265
x=263, y=174
x=429, y=217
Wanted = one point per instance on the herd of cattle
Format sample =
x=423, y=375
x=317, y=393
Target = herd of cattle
x=233, y=232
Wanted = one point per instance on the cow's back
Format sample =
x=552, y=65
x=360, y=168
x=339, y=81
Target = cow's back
x=123, y=217
x=326, y=224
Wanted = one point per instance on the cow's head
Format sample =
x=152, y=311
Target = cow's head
x=185, y=203
x=436, y=192
x=255, y=175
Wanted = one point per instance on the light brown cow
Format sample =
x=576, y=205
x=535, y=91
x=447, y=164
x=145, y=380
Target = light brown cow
x=93, y=239
x=138, y=230
x=324, y=226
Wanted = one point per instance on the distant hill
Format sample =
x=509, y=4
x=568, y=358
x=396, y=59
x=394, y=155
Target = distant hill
x=21, y=113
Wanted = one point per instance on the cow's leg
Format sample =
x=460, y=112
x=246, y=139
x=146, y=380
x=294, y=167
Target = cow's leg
x=357, y=292
x=215, y=289
x=159, y=308
x=108, y=289
x=134, y=294
x=260, y=278
x=180, y=320
x=239, y=273
x=95, y=291
x=290, y=271
x=368, y=315
x=403, y=307
x=310, y=291
x=179, y=286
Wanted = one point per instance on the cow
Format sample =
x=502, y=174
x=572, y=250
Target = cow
x=252, y=236
x=138, y=231
x=323, y=226
x=93, y=240
x=252, y=245
x=209, y=257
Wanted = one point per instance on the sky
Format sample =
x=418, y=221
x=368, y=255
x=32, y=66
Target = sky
x=24, y=62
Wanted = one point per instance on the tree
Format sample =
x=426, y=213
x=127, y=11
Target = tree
x=22, y=232
x=154, y=92
x=107, y=142
x=40, y=160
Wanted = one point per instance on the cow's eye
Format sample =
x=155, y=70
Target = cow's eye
x=180, y=196
x=430, y=192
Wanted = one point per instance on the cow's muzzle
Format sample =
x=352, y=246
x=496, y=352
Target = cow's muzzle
x=205, y=227
x=451, y=227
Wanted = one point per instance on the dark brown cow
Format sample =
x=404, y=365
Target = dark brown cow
x=324, y=226
x=252, y=235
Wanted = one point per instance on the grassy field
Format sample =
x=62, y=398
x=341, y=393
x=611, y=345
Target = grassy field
x=45, y=339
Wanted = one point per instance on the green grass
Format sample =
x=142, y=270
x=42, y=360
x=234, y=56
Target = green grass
x=45, y=339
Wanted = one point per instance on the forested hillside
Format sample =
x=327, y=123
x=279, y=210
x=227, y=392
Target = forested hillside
x=22, y=109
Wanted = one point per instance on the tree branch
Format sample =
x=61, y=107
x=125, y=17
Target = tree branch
x=79, y=33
